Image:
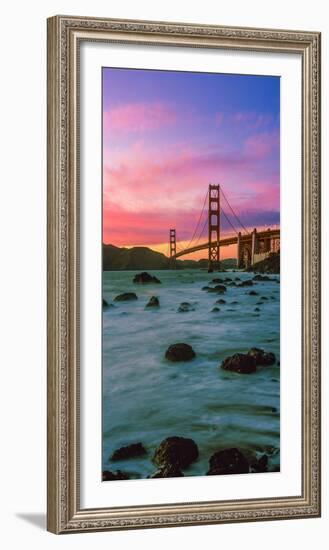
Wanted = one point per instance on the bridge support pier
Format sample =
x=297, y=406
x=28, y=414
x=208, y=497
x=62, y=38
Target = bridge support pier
x=254, y=246
x=238, y=254
x=172, y=248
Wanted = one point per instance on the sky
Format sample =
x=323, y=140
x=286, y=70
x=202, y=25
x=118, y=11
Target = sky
x=168, y=134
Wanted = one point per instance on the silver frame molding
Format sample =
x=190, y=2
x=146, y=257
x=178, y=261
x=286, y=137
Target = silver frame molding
x=65, y=34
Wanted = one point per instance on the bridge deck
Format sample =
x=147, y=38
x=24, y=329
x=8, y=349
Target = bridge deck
x=272, y=233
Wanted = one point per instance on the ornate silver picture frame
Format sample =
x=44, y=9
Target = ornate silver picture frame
x=66, y=35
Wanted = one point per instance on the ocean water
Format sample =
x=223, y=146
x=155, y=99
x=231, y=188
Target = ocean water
x=146, y=398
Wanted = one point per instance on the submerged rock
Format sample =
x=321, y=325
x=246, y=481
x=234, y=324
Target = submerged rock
x=228, y=461
x=168, y=470
x=248, y=282
x=114, y=476
x=240, y=362
x=153, y=302
x=145, y=277
x=176, y=451
x=219, y=289
x=260, y=465
x=259, y=277
x=184, y=307
x=215, y=309
x=105, y=303
x=256, y=309
x=220, y=301
x=218, y=280
x=125, y=297
x=261, y=357
x=129, y=451
x=252, y=293
x=180, y=352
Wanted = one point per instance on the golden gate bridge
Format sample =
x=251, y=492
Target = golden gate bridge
x=252, y=246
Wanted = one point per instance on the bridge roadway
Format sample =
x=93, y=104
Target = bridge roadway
x=261, y=235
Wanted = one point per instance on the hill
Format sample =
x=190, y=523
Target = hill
x=141, y=257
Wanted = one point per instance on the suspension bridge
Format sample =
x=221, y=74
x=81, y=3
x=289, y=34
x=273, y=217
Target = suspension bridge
x=252, y=246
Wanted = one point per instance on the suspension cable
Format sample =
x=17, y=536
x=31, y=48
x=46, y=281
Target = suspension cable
x=234, y=214
x=197, y=225
x=229, y=221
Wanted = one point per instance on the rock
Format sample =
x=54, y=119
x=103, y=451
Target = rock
x=252, y=293
x=261, y=357
x=234, y=303
x=263, y=298
x=125, y=297
x=220, y=301
x=260, y=465
x=180, y=352
x=176, y=451
x=240, y=362
x=145, y=277
x=105, y=303
x=237, y=279
x=215, y=309
x=205, y=288
x=184, y=307
x=218, y=280
x=129, y=451
x=228, y=280
x=228, y=461
x=168, y=470
x=259, y=277
x=219, y=289
x=248, y=282
x=114, y=476
x=256, y=309
x=153, y=302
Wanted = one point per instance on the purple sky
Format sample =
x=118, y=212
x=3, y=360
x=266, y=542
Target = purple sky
x=167, y=135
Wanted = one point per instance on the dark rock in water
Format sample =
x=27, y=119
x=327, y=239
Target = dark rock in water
x=261, y=357
x=168, y=470
x=256, y=309
x=237, y=279
x=219, y=289
x=129, y=451
x=105, y=303
x=114, y=476
x=180, y=352
x=260, y=465
x=220, y=301
x=184, y=307
x=215, y=309
x=228, y=461
x=228, y=279
x=125, y=296
x=153, y=302
x=145, y=277
x=234, y=303
x=259, y=303
x=218, y=280
x=259, y=277
x=263, y=298
x=252, y=293
x=176, y=451
x=205, y=288
x=248, y=282
x=240, y=362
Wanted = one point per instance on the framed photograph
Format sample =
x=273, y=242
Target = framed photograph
x=183, y=274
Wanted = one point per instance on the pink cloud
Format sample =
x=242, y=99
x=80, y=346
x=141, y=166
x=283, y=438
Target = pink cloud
x=260, y=146
x=139, y=117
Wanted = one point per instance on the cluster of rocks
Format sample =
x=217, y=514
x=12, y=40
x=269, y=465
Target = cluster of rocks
x=144, y=278
x=175, y=453
x=246, y=363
